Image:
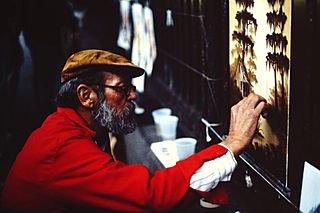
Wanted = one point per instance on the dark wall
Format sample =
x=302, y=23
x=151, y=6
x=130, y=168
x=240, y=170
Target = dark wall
x=190, y=73
x=304, y=143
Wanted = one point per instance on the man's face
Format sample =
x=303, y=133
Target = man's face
x=115, y=107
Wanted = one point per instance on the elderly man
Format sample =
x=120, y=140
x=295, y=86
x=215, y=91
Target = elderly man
x=66, y=165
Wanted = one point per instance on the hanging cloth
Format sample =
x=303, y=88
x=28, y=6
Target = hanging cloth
x=124, y=38
x=144, y=51
x=150, y=47
x=138, y=48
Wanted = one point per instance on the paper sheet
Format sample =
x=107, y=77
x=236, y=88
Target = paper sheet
x=310, y=193
x=166, y=152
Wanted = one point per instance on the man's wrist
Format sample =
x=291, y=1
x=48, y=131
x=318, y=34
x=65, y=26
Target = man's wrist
x=235, y=145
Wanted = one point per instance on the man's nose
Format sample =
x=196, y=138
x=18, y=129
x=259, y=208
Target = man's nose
x=132, y=95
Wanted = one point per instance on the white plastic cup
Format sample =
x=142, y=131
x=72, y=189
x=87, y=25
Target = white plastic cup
x=167, y=126
x=161, y=111
x=156, y=114
x=185, y=147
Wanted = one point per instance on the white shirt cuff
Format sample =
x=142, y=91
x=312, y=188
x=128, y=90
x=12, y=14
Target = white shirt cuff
x=214, y=171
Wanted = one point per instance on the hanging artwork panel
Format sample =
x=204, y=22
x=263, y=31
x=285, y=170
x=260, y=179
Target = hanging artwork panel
x=259, y=63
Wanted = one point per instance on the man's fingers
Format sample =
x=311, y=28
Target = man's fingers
x=250, y=102
x=261, y=105
x=254, y=100
x=241, y=102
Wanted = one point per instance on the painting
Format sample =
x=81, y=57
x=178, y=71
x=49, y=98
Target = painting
x=259, y=47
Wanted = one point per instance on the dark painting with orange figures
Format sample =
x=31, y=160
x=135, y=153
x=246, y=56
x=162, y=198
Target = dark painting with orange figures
x=259, y=43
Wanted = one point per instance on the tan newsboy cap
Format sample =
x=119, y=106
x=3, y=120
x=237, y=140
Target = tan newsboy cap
x=94, y=59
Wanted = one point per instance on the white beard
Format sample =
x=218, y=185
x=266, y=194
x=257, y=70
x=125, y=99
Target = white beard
x=119, y=123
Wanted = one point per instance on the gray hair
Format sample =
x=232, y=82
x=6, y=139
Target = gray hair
x=67, y=94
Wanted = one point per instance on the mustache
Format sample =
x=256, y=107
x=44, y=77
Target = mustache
x=131, y=106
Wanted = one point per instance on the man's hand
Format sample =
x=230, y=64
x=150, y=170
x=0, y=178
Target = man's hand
x=243, y=122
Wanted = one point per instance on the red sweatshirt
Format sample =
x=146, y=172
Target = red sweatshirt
x=61, y=169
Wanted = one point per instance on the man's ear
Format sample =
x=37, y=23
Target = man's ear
x=87, y=96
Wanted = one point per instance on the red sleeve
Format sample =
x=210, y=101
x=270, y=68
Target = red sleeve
x=91, y=177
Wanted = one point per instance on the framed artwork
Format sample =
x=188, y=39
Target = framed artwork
x=259, y=49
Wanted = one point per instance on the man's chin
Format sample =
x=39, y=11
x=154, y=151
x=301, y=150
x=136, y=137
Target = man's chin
x=126, y=129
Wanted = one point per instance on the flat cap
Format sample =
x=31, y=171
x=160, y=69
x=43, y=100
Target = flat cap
x=93, y=59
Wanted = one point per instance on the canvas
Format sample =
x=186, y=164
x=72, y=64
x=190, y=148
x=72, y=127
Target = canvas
x=259, y=62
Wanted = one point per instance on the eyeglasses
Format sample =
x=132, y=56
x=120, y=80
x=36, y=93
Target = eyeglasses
x=124, y=89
